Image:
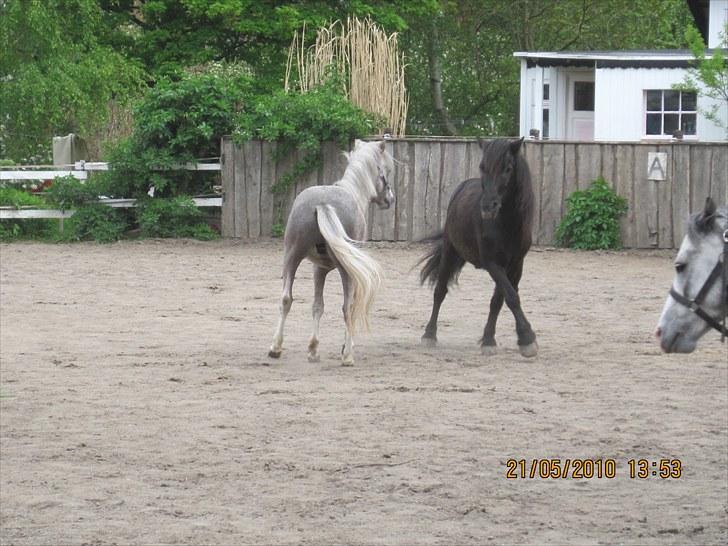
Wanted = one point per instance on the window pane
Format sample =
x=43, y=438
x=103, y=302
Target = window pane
x=688, y=124
x=545, y=91
x=545, y=123
x=584, y=96
x=672, y=101
x=654, y=124
x=672, y=123
x=688, y=102
x=654, y=101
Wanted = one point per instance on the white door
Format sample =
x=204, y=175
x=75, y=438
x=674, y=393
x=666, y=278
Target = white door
x=580, y=106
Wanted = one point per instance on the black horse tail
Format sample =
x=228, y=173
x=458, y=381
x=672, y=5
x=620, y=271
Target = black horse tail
x=430, y=271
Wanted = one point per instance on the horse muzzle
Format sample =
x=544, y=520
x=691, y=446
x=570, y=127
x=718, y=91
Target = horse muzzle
x=489, y=214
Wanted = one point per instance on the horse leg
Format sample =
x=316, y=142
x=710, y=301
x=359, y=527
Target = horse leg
x=448, y=265
x=487, y=343
x=347, y=351
x=290, y=265
x=317, y=309
x=526, y=337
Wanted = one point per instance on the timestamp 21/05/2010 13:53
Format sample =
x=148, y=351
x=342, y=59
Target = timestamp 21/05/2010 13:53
x=591, y=468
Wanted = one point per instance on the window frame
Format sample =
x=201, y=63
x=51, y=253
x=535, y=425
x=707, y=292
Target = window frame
x=545, y=110
x=680, y=112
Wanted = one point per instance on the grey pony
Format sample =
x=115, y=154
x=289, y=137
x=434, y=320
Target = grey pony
x=324, y=226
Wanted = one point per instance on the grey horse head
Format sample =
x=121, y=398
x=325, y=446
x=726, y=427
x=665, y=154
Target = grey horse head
x=383, y=193
x=679, y=328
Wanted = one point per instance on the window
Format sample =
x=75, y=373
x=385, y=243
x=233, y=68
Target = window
x=667, y=111
x=545, y=111
x=584, y=96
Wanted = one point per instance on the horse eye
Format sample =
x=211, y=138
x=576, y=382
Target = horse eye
x=679, y=268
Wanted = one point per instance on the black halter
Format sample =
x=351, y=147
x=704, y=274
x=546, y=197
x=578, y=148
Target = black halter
x=719, y=271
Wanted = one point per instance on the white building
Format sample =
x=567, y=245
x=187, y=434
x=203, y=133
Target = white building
x=619, y=95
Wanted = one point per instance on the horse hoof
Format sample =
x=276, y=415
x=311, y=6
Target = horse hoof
x=347, y=362
x=428, y=341
x=314, y=358
x=489, y=350
x=529, y=350
x=274, y=353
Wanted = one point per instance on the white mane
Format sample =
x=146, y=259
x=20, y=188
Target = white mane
x=361, y=173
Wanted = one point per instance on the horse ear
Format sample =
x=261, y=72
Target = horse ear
x=515, y=145
x=705, y=219
x=381, y=145
x=482, y=142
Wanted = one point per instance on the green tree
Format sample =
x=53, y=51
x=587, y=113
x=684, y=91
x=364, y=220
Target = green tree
x=475, y=41
x=709, y=76
x=58, y=74
x=169, y=35
x=178, y=121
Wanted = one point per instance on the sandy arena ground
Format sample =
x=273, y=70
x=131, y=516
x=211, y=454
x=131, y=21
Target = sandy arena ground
x=138, y=405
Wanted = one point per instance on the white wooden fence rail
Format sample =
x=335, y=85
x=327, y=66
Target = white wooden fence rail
x=80, y=171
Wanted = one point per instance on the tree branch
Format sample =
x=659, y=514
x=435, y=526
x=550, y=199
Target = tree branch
x=584, y=9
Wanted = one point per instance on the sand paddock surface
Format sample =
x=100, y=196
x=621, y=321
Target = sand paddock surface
x=138, y=405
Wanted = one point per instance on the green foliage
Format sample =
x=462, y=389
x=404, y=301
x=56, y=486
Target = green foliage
x=174, y=217
x=592, y=218
x=31, y=228
x=172, y=34
x=95, y=222
x=58, y=74
x=278, y=229
x=475, y=41
x=68, y=192
x=26, y=228
x=177, y=122
x=303, y=122
x=13, y=197
x=709, y=76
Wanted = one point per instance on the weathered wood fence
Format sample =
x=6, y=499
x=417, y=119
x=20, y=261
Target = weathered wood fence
x=427, y=171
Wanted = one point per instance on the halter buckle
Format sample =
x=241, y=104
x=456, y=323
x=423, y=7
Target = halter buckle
x=725, y=236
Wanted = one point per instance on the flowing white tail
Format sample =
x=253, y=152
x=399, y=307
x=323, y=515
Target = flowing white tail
x=365, y=273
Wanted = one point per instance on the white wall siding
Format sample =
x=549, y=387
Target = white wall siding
x=718, y=15
x=532, y=81
x=531, y=98
x=619, y=103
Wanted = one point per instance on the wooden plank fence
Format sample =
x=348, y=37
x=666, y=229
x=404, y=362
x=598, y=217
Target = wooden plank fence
x=428, y=170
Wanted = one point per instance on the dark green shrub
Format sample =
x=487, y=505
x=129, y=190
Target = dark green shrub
x=303, y=122
x=95, y=222
x=67, y=192
x=42, y=229
x=173, y=217
x=14, y=197
x=27, y=228
x=177, y=122
x=592, y=218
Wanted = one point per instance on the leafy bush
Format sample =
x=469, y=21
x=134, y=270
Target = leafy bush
x=68, y=192
x=29, y=228
x=303, y=122
x=176, y=122
x=26, y=228
x=14, y=197
x=175, y=217
x=592, y=218
x=95, y=222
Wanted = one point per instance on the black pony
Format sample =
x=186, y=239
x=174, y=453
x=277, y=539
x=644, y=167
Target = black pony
x=489, y=225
